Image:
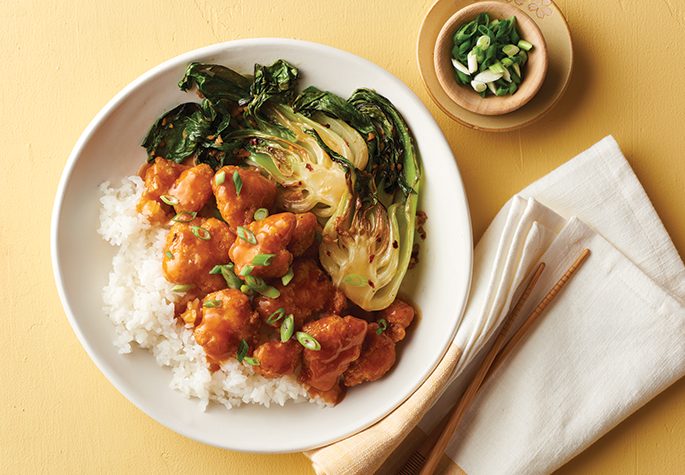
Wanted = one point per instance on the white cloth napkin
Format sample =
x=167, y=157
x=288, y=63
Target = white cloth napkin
x=611, y=340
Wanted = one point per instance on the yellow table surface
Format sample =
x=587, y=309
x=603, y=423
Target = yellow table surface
x=62, y=61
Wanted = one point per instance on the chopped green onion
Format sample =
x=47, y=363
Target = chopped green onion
x=285, y=280
x=260, y=214
x=212, y=304
x=276, y=316
x=483, y=42
x=246, y=270
x=487, y=76
x=308, y=341
x=496, y=68
x=246, y=235
x=263, y=259
x=319, y=237
x=473, y=62
x=482, y=46
x=287, y=328
x=169, y=254
x=460, y=67
x=355, y=280
x=270, y=292
x=251, y=361
x=238, y=182
x=247, y=290
x=182, y=287
x=525, y=45
x=232, y=281
x=170, y=200
x=219, y=178
x=201, y=233
x=184, y=217
x=382, y=325
x=243, y=348
x=256, y=283
x=478, y=86
x=510, y=50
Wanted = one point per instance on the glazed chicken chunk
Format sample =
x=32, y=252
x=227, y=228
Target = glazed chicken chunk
x=309, y=292
x=341, y=342
x=399, y=316
x=227, y=319
x=271, y=236
x=238, y=208
x=192, y=250
x=193, y=188
x=377, y=357
x=277, y=358
x=159, y=177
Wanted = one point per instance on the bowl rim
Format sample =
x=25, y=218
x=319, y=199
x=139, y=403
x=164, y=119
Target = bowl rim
x=466, y=97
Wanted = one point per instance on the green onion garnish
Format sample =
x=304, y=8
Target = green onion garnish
x=212, y=304
x=232, y=281
x=271, y=292
x=483, y=45
x=263, y=259
x=355, y=280
x=243, y=348
x=182, y=287
x=238, y=182
x=382, y=325
x=260, y=214
x=308, y=341
x=287, y=328
x=524, y=45
x=319, y=237
x=219, y=178
x=510, y=50
x=247, y=290
x=251, y=361
x=246, y=235
x=276, y=316
x=257, y=283
x=285, y=280
x=169, y=254
x=170, y=200
x=184, y=217
x=201, y=233
x=246, y=270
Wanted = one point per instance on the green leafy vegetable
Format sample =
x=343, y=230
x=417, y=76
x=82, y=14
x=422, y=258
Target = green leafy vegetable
x=367, y=242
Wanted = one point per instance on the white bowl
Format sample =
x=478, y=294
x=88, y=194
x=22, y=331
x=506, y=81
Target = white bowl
x=109, y=149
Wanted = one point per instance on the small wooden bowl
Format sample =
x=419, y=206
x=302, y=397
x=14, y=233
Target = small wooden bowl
x=534, y=70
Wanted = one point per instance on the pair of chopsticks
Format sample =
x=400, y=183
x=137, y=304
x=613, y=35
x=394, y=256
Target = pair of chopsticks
x=428, y=455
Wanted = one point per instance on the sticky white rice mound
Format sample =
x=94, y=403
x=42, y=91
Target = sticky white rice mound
x=139, y=302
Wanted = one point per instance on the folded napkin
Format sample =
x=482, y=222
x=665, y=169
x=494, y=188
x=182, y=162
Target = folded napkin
x=612, y=339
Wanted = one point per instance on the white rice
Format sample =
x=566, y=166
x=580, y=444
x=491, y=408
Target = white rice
x=139, y=301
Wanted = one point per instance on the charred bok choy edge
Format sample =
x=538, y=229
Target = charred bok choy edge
x=353, y=163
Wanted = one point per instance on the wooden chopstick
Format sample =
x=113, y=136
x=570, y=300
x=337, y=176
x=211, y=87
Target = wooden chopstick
x=433, y=447
x=530, y=321
x=414, y=464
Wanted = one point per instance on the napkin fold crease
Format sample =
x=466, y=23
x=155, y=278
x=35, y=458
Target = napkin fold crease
x=611, y=340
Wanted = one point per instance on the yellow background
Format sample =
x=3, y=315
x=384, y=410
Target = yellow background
x=62, y=61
